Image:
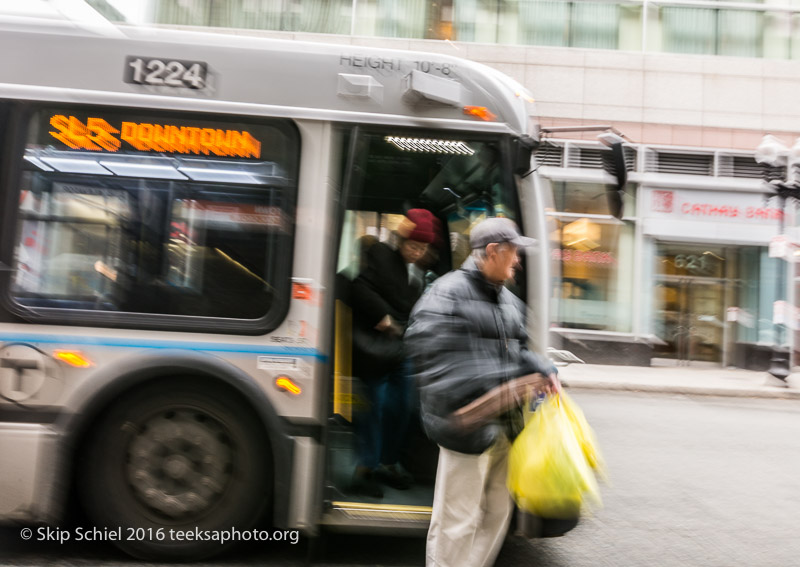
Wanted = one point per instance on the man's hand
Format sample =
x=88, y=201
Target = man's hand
x=552, y=384
x=389, y=326
x=537, y=383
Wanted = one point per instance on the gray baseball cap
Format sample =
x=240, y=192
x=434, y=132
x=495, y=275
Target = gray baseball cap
x=498, y=229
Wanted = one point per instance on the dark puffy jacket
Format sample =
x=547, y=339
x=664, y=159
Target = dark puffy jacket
x=382, y=289
x=467, y=336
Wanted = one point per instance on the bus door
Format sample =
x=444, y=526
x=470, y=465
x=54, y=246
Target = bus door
x=380, y=466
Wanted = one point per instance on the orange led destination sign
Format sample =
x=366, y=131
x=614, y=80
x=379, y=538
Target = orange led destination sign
x=98, y=135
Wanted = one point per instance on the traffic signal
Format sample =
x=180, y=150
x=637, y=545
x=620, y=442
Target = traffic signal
x=614, y=163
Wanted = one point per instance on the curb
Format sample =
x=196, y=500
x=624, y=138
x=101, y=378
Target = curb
x=775, y=393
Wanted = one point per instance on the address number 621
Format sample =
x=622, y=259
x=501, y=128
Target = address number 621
x=165, y=72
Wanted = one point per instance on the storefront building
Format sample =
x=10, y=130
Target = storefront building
x=684, y=278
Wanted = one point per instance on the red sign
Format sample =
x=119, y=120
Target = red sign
x=713, y=205
x=662, y=201
x=584, y=256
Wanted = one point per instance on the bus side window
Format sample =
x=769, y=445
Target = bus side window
x=139, y=228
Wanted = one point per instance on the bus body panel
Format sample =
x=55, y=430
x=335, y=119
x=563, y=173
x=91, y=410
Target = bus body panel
x=338, y=78
x=21, y=477
x=535, y=202
x=305, y=502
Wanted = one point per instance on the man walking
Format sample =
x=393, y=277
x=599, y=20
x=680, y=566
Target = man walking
x=467, y=341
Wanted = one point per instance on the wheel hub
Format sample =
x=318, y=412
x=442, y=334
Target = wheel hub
x=177, y=466
x=179, y=463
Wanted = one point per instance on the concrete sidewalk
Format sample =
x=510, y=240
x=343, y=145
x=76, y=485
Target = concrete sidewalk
x=694, y=380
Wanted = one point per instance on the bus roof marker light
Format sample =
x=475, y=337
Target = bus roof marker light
x=427, y=145
x=73, y=357
x=288, y=385
x=480, y=112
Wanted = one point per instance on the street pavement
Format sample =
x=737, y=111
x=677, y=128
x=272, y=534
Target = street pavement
x=694, y=379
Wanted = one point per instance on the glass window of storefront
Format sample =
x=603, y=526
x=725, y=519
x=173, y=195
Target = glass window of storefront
x=595, y=256
x=757, y=285
x=795, y=272
x=596, y=284
x=587, y=198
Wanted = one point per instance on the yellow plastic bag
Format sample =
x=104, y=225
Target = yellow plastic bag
x=552, y=463
x=583, y=433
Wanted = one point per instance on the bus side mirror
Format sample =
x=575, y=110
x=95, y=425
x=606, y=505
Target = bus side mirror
x=522, y=150
x=614, y=163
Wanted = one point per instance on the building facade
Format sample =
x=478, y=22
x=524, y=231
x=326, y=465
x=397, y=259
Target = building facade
x=692, y=85
x=685, y=277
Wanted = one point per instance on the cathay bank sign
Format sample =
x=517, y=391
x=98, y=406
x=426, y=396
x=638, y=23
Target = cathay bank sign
x=720, y=206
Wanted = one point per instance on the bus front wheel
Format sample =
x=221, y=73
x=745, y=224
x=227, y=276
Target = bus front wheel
x=175, y=468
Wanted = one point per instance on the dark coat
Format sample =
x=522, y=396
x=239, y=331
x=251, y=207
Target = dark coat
x=382, y=289
x=467, y=336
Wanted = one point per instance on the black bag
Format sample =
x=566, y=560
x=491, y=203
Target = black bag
x=375, y=353
x=530, y=526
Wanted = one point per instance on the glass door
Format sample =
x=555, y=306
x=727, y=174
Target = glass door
x=690, y=320
x=670, y=320
x=690, y=303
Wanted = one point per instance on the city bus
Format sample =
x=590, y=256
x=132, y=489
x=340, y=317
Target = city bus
x=181, y=215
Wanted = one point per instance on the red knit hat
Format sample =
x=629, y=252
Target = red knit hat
x=419, y=226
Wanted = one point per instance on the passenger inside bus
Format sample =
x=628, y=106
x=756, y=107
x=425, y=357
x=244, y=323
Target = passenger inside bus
x=148, y=247
x=384, y=293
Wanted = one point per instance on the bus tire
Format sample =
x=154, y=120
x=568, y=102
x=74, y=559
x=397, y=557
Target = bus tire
x=175, y=456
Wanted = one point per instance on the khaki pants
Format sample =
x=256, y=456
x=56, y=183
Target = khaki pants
x=471, y=508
